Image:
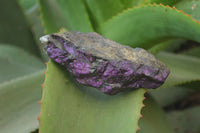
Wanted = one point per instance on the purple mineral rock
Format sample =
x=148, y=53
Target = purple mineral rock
x=104, y=64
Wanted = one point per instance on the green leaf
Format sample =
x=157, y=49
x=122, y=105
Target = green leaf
x=193, y=52
x=167, y=96
x=183, y=69
x=147, y=25
x=69, y=14
x=14, y=29
x=52, y=16
x=70, y=107
x=160, y=46
x=35, y=23
x=19, y=103
x=76, y=14
x=164, y=2
x=190, y=7
x=102, y=10
x=27, y=4
x=16, y=62
x=21, y=75
x=185, y=121
x=153, y=119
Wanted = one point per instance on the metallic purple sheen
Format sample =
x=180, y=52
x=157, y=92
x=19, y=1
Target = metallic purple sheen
x=107, y=74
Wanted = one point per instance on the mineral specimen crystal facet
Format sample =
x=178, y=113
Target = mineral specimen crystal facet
x=104, y=64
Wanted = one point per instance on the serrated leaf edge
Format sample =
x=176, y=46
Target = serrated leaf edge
x=143, y=105
x=143, y=6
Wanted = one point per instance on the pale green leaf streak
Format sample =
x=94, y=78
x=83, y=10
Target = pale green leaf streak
x=16, y=62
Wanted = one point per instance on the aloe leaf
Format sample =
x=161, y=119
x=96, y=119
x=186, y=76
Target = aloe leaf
x=187, y=120
x=52, y=16
x=19, y=103
x=32, y=13
x=76, y=14
x=160, y=46
x=131, y=27
x=27, y=4
x=70, y=107
x=183, y=69
x=165, y=2
x=102, y=10
x=33, y=16
x=167, y=96
x=16, y=62
x=14, y=29
x=69, y=14
x=20, y=77
x=193, y=52
x=190, y=7
x=153, y=118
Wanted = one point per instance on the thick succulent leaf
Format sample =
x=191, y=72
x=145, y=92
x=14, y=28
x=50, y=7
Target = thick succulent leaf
x=27, y=4
x=191, y=7
x=14, y=29
x=158, y=47
x=20, y=77
x=193, y=52
x=164, y=2
x=183, y=69
x=174, y=45
x=186, y=121
x=153, y=118
x=70, y=107
x=52, y=16
x=102, y=10
x=16, y=62
x=19, y=103
x=34, y=21
x=76, y=15
x=169, y=95
x=69, y=14
x=163, y=23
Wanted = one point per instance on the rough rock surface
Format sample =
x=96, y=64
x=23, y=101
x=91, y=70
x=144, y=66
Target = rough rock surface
x=104, y=64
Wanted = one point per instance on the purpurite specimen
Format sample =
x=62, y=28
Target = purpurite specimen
x=104, y=64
